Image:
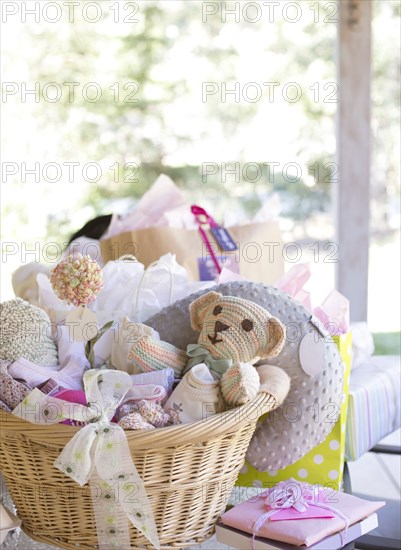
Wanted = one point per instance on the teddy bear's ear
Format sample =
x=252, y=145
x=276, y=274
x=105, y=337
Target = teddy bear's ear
x=198, y=308
x=275, y=339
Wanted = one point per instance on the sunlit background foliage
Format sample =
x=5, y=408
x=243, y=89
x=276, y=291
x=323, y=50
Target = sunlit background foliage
x=152, y=118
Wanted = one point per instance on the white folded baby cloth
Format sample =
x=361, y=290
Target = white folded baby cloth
x=70, y=377
x=196, y=397
x=67, y=348
x=150, y=392
x=164, y=378
x=103, y=346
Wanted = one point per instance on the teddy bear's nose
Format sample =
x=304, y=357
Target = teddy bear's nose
x=220, y=327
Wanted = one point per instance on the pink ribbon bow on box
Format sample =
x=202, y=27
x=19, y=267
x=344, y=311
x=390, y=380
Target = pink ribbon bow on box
x=295, y=500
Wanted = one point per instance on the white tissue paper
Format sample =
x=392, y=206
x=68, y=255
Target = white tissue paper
x=152, y=210
x=165, y=205
x=55, y=308
x=132, y=292
x=24, y=281
x=86, y=247
x=362, y=343
x=129, y=290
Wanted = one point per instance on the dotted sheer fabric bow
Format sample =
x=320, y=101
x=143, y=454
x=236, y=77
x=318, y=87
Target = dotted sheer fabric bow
x=99, y=454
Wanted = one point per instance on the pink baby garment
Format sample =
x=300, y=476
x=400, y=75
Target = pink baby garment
x=72, y=396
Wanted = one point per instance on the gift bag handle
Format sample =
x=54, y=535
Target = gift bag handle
x=128, y=257
x=203, y=218
x=154, y=264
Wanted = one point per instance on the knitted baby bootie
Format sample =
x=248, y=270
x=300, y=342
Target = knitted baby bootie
x=239, y=384
x=129, y=334
x=153, y=413
x=149, y=410
x=138, y=350
x=135, y=421
x=149, y=354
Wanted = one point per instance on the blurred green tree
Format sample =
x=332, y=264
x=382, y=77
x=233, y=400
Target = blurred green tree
x=145, y=72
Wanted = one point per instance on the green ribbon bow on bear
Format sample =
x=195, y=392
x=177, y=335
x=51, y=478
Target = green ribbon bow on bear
x=199, y=354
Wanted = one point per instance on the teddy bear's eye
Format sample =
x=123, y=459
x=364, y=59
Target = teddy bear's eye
x=217, y=310
x=247, y=325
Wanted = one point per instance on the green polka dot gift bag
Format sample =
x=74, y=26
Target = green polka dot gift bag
x=322, y=465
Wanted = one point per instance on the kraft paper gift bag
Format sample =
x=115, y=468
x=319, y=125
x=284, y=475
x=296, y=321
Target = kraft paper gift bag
x=259, y=256
x=163, y=221
x=322, y=465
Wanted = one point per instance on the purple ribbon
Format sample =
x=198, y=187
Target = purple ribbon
x=297, y=495
x=203, y=218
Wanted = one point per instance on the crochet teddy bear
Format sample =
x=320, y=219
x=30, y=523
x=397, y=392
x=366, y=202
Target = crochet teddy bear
x=234, y=334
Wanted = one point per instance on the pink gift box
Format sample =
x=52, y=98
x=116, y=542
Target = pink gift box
x=300, y=531
x=238, y=539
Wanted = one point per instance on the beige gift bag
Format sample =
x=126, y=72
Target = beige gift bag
x=259, y=256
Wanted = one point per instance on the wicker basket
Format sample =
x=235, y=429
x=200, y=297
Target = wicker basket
x=188, y=472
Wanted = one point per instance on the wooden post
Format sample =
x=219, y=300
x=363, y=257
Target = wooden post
x=353, y=153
